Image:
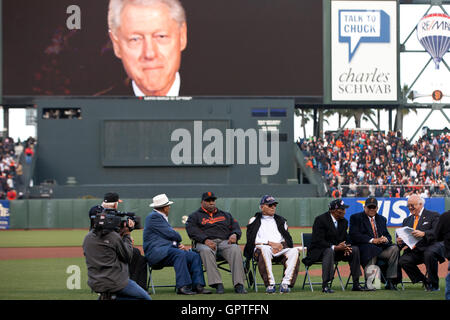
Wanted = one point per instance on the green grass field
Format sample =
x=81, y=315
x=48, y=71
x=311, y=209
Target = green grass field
x=46, y=279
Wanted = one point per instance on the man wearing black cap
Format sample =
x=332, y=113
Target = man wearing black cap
x=369, y=232
x=328, y=244
x=109, y=252
x=268, y=238
x=110, y=202
x=138, y=265
x=216, y=232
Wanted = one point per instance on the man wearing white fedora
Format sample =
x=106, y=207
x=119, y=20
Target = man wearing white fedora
x=162, y=247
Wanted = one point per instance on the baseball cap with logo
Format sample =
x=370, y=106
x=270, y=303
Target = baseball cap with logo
x=337, y=204
x=111, y=197
x=208, y=195
x=371, y=201
x=267, y=200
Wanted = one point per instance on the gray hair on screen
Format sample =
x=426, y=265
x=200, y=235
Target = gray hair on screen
x=116, y=6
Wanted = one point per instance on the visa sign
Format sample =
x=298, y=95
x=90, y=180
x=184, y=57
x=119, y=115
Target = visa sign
x=393, y=209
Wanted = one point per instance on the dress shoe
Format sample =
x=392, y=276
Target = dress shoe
x=358, y=287
x=185, y=290
x=430, y=288
x=390, y=286
x=219, y=288
x=239, y=288
x=201, y=289
x=327, y=290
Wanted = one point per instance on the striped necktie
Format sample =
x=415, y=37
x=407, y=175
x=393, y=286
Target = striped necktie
x=374, y=229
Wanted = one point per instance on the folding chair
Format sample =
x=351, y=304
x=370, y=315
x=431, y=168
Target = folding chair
x=254, y=263
x=150, y=278
x=306, y=242
x=221, y=262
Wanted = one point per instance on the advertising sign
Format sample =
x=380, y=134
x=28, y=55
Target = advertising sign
x=4, y=214
x=393, y=209
x=364, y=50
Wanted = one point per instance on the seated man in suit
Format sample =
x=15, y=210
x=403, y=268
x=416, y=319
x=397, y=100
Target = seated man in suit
x=443, y=234
x=162, y=247
x=329, y=235
x=427, y=250
x=369, y=232
x=268, y=238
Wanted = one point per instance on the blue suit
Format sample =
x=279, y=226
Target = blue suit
x=161, y=248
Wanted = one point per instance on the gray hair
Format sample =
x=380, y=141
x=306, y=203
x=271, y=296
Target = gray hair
x=115, y=9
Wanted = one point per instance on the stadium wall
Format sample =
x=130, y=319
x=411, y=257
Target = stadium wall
x=73, y=213
x=300, y=212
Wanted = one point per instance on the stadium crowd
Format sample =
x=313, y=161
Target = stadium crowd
x=362, y=163
x=11, y=168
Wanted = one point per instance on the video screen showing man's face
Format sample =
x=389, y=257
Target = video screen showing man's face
x=149, y=41
x=148, y=48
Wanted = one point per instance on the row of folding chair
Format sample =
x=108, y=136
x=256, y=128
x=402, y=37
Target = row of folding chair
x=252, y=272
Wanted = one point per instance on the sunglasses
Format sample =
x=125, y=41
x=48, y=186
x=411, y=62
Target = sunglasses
x=272, y=205
x=372, y=207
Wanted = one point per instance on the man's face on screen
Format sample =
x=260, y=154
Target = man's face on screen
x=149, y=42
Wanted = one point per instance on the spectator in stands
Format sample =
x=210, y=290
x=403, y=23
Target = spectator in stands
x=387, y=161
x=268, y=238
x=28, y=154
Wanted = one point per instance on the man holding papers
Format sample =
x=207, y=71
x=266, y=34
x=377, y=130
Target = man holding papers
x=426, y=250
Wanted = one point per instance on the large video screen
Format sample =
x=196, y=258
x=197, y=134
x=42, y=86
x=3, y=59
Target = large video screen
x=230, y=48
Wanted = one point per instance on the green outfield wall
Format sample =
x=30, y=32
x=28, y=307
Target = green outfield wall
x=73, y=213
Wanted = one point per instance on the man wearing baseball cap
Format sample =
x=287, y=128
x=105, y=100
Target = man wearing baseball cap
x=268, y=238
x=138, y=265
x=216, y=232
x=369, y=232
x=110, y=202
x=328, y=244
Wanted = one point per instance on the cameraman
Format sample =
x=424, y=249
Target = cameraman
x=138, y=264
x=108, y=250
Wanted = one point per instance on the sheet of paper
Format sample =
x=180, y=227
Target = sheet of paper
x=407, y=237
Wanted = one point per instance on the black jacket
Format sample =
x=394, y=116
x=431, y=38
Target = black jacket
x=443, y=232
x=201, y=225
x=324, y=235
x=252, y=231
